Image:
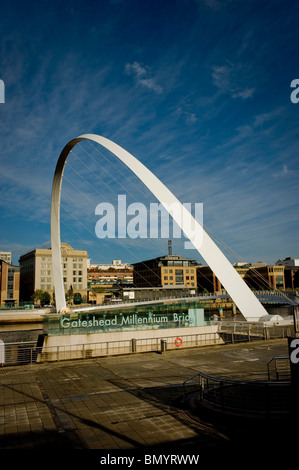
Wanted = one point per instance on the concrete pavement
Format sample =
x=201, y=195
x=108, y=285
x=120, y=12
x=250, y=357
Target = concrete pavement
x=124, y=403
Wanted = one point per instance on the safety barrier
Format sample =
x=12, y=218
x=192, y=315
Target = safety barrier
x=270, y=398
x=232, y=332
x=25, y=353
x=228, y=332
x=279, y=368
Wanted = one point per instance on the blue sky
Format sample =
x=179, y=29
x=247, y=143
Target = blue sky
x=198, y=90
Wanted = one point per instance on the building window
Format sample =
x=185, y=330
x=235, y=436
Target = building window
x=166, y=278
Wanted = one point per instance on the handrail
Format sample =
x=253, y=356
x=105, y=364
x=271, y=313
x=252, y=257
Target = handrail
x=187, y=380
x=275, y=358
x=242, y=395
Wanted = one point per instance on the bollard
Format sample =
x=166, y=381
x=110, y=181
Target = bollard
x=163, y=345
x=134, y=345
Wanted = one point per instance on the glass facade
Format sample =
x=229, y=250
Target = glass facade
x=150, y=317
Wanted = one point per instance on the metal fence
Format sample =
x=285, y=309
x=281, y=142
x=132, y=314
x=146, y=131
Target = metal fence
x=228, y=332
x=279, y=368
x=232, y=332
x=25, y=353
x=241, y=396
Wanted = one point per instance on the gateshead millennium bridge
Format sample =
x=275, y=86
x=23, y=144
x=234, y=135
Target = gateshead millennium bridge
x=248, y=304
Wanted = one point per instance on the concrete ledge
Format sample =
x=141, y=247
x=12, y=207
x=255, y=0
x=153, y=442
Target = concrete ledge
x=22, y=316
x=64, y=347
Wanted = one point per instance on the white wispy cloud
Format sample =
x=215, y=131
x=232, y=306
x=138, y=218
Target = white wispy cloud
x=231, y=79
x=284, y=171
x=142, y=76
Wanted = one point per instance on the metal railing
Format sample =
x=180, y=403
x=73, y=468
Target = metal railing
x=279, y=368
x=236, y=331
x=26, y=353
x=241, y=396
x=227, y=332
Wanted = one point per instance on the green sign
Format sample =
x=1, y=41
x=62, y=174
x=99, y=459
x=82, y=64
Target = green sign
x=162, y=316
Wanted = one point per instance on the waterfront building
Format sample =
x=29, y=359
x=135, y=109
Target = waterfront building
x=169, y=270
x=207, y=280
x=291, y=275
x=36, y=271
x=116, y=264
x=266, y=277
x=258, y=276
x=110, y=274
x=9, y=284
x=288, y=262
x=291, y=272
x=5, y=256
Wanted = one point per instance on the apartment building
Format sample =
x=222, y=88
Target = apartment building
x=5, y=256
x=258, y=276
x=169, y=270
x=9, y=284
x=36, y=271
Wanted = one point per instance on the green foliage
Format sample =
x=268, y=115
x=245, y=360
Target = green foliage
x=42, y=296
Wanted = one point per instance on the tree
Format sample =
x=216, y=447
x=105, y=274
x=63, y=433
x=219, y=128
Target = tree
x=69, y=295
x=45, y=298
x=37, y=295
x=42, y=296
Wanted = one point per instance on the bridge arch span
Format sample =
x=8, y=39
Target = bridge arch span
x=245, y=300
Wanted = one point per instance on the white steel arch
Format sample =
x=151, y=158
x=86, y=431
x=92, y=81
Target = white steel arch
x=246, y=301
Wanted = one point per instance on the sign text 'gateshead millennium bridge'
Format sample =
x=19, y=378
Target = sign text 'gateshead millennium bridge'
x=121, y=320
x=135, y=319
